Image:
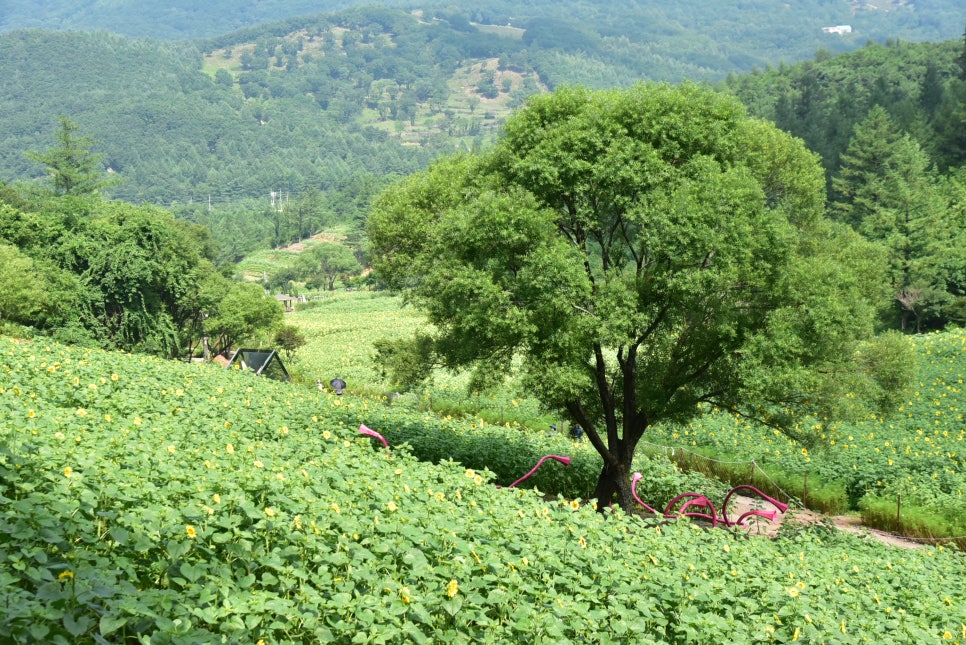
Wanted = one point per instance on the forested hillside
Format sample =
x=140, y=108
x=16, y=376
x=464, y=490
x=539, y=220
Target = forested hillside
x=888, y=122
x=759, y=28
x=921, y=85
x=270, y=133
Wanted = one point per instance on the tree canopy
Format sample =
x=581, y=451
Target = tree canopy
x=638, y=254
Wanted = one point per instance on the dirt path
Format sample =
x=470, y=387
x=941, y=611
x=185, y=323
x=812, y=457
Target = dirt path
x=795, y=516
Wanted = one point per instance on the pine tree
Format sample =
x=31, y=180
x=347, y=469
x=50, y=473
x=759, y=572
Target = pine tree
x=887, y=191
x=71, y=165
x=859, y=190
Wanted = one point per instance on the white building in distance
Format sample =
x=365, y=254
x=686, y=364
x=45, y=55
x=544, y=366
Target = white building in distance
x=839, y=29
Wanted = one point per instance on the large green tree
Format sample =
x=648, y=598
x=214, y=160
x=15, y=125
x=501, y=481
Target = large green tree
x=327, y=261
x=636, y=254
x=240, y=312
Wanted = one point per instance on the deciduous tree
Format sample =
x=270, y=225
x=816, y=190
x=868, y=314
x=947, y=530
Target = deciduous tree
x=637, y=254
x=20, y=288
x=328, y=261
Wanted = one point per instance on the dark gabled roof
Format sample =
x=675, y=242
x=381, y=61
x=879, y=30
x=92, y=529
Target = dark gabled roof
x=264, y=362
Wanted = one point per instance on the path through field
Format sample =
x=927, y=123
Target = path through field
x=797, y=516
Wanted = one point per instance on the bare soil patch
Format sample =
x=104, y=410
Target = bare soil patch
x=298, y=247
x=803, y=517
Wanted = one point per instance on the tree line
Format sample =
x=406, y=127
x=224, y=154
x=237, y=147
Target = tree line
x=106, y=273
x=889, y=124
x=317, y=102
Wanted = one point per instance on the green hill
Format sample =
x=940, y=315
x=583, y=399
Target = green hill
x=343, y=101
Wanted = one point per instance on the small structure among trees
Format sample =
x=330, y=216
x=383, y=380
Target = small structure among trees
x=264, y=362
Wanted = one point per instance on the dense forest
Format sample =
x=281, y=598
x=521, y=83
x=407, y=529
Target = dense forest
x=888, y=122
x=266, y=135
x=742, y=29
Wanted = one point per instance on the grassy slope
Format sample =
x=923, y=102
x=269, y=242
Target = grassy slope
x=195, y=504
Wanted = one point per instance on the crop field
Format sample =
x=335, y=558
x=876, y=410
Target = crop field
x=910, y=461
x=341, y=330
x=152, y=501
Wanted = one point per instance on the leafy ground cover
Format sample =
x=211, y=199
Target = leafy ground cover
x=907, y=465
x=149, y=501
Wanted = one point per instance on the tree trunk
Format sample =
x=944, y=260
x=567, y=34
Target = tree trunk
x=615, y=479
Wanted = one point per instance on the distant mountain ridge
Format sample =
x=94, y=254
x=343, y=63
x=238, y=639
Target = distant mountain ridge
x=172, y=19
x=188, y=19
x=340, y=103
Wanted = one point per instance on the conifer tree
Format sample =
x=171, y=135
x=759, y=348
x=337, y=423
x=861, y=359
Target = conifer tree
x=71, y=165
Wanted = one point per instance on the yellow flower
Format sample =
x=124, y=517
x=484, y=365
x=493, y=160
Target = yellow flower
x=270, y=511
x=326, y=434
x=190, y=530
x=335, y=507
x=230, y=449
x=259, y=464
x=66, y=574
x=217, y=498
x=227, y=424
x=947, y=635
x=392, y=506
x=81, y=412
x=574, y=504
x=452, y=588
x=583, y=542
x=171, y=449
x=794, y=592
x=31, y=414
x=404, y=595
x=470, y=473
x=137, y=421
x=68, y=471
